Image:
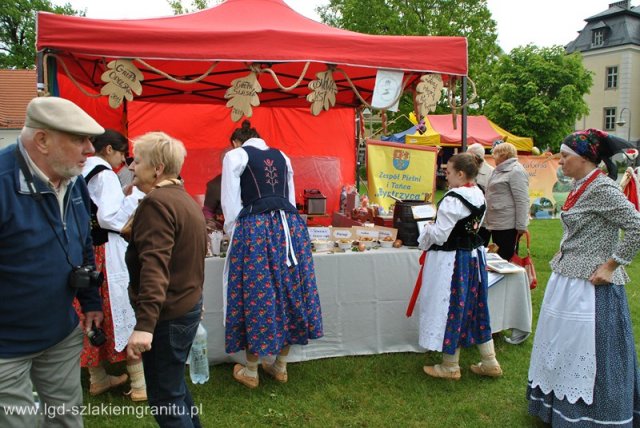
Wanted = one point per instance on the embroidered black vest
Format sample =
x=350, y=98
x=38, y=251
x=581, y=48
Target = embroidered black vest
x=464, y=235
x=263, y=183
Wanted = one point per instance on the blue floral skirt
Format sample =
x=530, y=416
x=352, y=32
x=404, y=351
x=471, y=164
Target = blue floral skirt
x=616, y=393
x=468, y=318
x=270, y=305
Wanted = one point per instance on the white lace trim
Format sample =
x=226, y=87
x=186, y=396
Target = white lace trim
x=434, y=298
x=124, y=319
x=563, y=359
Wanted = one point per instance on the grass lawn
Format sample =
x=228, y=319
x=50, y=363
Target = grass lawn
x=382, y=390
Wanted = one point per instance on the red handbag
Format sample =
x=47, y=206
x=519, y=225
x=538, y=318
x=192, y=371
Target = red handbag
x=526, y=262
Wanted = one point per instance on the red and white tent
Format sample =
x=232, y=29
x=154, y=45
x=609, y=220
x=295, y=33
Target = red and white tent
x=229, y=37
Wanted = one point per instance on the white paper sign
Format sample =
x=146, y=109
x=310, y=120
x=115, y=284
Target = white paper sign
x=341, y=233
x=386, y=232
x=423, y=211
x=319, y=233
x=364, y=233
x=387, y=89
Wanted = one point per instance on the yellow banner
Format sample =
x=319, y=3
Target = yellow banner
x=406, y=172
x=548, y=187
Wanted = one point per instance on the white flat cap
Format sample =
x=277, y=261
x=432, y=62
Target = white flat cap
x=60, y=114
x=476, y=149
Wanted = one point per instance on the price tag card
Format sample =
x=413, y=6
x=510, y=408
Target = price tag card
x=366, y=232
x=423, y=211
x=338, y=233
x=319, y=233
x=386, y=232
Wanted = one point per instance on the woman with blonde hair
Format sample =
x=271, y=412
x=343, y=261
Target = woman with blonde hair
x=507, y=196
x=165, y=257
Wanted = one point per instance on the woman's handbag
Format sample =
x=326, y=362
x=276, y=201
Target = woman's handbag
x=526, y=262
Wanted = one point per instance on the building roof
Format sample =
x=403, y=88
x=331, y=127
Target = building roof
x=621, y=26
x=17, y=88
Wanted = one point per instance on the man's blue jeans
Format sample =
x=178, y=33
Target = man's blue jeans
x=164, y=364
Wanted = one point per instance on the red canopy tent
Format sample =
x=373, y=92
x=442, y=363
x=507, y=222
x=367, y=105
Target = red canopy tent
x=216, y=46
x=441, y=132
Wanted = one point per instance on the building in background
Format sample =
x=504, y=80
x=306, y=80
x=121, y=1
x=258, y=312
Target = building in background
x=610, y=48
x=17, y=88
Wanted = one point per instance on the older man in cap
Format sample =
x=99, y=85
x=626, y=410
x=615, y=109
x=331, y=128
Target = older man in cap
x=46, y=259
x=485, y=169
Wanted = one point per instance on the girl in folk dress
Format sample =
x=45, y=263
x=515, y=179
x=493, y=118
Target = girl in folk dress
x=271, y=297
x=453, y=310
x=111, y=211
x=583, y=370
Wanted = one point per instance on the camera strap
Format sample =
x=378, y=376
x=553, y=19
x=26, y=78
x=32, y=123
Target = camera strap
x=35, y=193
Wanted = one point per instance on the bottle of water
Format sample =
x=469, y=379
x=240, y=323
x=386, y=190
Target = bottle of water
x=198, y=360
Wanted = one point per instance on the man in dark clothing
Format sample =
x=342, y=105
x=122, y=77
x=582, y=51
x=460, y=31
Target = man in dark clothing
x=44, y=238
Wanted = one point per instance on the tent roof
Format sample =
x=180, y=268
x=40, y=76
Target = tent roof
x=440, y=132
x=237, y=32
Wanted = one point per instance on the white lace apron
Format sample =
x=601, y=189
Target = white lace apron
x=435, y=295
x=563, y=359
x=122, y=314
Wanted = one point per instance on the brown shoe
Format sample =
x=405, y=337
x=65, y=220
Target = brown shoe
x=485, y=370
x=440, y=372
x=137, y=394
x=271, y=371
x=110, y=382
x=248, y=381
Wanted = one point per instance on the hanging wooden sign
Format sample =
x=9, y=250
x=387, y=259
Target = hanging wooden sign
x=323, y=92
x=428, y=93
x=243, y=94
x=122, y=79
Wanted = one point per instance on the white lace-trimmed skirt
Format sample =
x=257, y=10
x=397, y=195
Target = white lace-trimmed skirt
x=615, y=391
x=563, y=360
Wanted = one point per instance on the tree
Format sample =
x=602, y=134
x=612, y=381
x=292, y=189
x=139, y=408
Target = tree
x=179, y=9
x=469, y=18
x=538, y=92
x=17, y=30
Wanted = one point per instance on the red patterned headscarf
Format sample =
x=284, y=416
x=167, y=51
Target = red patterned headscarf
x=596, y=145
x=586, y=143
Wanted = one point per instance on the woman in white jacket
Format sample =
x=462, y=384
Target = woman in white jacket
x=110, y=211
x=453, y=298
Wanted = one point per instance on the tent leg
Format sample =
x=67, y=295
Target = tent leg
x=358, y=136
x=463, y=131
x=40, y=85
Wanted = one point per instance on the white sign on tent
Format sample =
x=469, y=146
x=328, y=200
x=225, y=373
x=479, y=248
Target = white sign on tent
x=387, y=90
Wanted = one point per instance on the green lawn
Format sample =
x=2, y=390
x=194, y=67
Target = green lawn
x=379, y=391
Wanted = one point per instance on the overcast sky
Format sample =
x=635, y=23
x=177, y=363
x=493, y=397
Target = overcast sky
x=541, y=22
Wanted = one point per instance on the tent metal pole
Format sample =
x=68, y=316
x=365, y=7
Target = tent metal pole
x=40, y=86
x=358, y=136
x=463, y=131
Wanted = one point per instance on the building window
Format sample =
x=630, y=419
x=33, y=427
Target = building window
x=597, y=37
x=612, y=77
x=609, y=118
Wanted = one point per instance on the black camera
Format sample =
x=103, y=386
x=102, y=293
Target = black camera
x=84, y=277
x=96, y=336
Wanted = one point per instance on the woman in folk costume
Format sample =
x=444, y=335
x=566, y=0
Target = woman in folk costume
x=453, y=310
x=583, y=369
x=270, y=288
x=110, y=211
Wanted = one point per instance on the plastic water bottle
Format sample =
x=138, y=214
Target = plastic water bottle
x=198, y=361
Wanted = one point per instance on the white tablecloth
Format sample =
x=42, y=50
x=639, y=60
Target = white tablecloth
x=364, y=298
